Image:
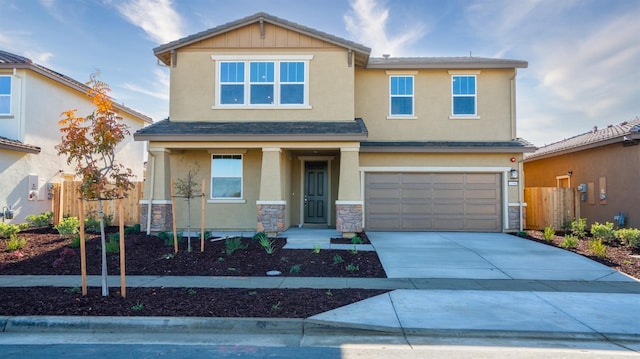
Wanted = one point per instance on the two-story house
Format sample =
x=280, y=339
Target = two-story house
x=32, y=98
x=290, y=126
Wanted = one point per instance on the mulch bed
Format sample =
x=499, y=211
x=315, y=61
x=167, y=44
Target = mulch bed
x=46, y=253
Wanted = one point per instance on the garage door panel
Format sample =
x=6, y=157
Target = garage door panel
x=433, y=201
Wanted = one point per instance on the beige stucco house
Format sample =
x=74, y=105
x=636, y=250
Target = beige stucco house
x=290, y=126
x=32, y=97
x=603, y=165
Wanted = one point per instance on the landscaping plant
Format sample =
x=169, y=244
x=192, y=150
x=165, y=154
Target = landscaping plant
x=68, y=227
x=628, y=236
x=39, y=220
x=187, y=188
x=597, y=248
x=579, y=227
x=570, y=241
x=603, y=231
x=549, y=233
x=90, y=143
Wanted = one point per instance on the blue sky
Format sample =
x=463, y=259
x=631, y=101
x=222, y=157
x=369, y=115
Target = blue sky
x=584, y=55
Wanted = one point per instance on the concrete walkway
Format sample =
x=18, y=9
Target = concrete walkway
x=442, y=284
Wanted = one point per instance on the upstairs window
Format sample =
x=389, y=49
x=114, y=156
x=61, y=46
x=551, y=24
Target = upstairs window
x=292, y=82
x=226, y=176
x=463, y=95
x=5, y=95
x=401, y=96
x=232, y=83
x=262, y=83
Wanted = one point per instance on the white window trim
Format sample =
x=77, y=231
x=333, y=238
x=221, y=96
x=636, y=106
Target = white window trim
x=474, y=116
x=10, y=95
x=213, y=199
x=276, y=59
x=411, y=116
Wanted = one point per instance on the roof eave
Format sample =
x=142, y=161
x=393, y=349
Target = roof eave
x=20, y=148
x=611, y=141
x=448, y=65
x=248, y=138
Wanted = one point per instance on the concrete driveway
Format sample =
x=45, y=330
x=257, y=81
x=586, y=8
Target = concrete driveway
x=462, y=255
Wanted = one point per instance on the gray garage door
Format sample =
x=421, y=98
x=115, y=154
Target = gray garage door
x=433, y=201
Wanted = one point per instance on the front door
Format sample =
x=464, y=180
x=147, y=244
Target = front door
x=315, y=192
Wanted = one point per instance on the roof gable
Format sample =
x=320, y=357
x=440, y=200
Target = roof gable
x=259, y=23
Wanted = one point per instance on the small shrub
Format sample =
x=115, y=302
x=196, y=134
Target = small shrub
x=276, y=306
x=597, y=248
x=40, y=220
x=354, y=250
x=337, y=259
x=356, y=240
x=549, y=233
x=579, y=227
x=259, y=236
x=233, y=244
x=602, y=231
x=192, y=291
x=14, y=243
x=316, y=248
x=133, y=229
x=628, y=236
x=522, y=234
x=92, y=222
x=112, y=246
x=137, y=307
x=75, y=241
x=68, y=227
x=570, y=241
x=295, y=268
x=352, y=267
x=167, y=238
x=8, y=230
x=266, y=243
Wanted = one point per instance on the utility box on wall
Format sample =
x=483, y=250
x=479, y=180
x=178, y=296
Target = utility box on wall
x=32, y=190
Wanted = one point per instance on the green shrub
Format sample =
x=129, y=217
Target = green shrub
x=549, y=233
x=570, y=241
x=133, y=229
x=75, y=241
x=8, y=230
x=579, y=227
x=295, y=268
x=233, y=244
x=597, y=248
x=266, y=243
x=259, y=236
x=628, y=236
x=356, y=240
x=68, y=227
x=14, y=243
x=602, y=231
x=337, y=259
x=352, y=267
x=112, y=246
x=40, y=220
x=92, y=223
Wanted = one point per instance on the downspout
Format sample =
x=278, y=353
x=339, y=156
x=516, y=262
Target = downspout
x=521, y=194
x=152, y=179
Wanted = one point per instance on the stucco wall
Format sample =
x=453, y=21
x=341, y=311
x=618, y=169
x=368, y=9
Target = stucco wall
x=619, y=165
x=38, y=103
x=432, y=96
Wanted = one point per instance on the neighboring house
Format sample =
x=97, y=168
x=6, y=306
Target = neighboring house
x=290, y=126
x=604, y=167
x=32, y=98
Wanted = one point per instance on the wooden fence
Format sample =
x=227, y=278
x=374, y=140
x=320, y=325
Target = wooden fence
x=65, y=203
x=550, y=206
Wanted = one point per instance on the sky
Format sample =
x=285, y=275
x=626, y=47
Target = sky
x=583, y=55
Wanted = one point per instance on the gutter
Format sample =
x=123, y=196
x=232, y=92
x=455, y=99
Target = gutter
x=152, y=162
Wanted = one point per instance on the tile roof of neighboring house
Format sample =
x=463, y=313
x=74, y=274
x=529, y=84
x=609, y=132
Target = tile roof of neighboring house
x=167, y=130
x=469, y=62
x=264, y=17
x=14, y=145
x=628, y=130
x=518, y=145
x=9, y=60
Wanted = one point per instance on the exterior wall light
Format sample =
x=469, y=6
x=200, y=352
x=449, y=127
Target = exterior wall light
x=514, y=173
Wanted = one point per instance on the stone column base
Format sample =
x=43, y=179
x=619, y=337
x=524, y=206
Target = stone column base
x=161, y=217
x=514, y=217
x=348, y=218
x=271, y=218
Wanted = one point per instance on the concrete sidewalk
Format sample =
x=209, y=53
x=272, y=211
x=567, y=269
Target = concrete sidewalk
x=441, y=284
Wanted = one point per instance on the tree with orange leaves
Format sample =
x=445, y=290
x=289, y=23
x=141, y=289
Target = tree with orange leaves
x=90, y=142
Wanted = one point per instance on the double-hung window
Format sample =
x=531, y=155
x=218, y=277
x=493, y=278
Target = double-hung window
x=401, y=102
x=5, y=95
x=463, y=92
x=226, y=176
x=262, y=81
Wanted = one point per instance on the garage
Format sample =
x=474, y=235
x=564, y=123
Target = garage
x=401, y=201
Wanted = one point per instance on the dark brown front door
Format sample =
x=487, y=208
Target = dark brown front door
x=315, y=192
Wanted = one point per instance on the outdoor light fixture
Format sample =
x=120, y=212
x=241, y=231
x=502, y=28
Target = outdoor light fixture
x=569, y=173
x=514, y=173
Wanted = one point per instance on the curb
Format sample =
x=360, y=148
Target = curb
x=274, y=326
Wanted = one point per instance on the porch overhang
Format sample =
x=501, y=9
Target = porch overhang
x=178, y=131
x=13, y=145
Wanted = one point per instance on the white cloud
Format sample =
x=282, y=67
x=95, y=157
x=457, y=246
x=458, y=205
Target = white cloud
x=157, y=18
x=367, y=23
x=159, y=89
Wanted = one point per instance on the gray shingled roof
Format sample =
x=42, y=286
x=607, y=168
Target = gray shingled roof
x=594, y=138
x=167, y=130
x=9, y=60
x=443, y=63
x=14, y=145
x=518, y=145
x=266, y=18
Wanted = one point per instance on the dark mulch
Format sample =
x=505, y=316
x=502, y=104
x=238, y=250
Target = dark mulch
x=618, y=257
x=46, y=253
